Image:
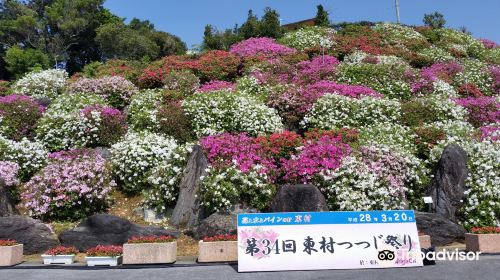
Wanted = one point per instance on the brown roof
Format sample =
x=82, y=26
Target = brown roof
x=299, y=24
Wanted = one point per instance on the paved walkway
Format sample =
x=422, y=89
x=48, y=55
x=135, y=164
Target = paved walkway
x=486, y=268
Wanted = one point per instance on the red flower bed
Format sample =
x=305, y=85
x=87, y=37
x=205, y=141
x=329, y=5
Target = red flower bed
x=485, y=230
x=61, y=250
x=105, y=251
x=216, y=65
x=221, y=237
x=151, y=239
x=7, y=242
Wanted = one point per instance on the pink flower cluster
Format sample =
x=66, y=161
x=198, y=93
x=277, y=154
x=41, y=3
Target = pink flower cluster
x=495, y=75
x=111, y=124
x=490, y=133
x=489, y=44
x=73, y=185
x=441, y=70
x=319, y=68
x=260, y=46
x=482, y=110
x=326, y=153
x=216, y=85
x=8, y=173
x=116, y=89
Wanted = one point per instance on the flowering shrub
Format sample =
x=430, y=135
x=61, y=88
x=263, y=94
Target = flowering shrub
x=485, y=230
x=152, y=76
x=490, y=133
x=221, y=237
x=184, y=81
x=216, y=85
x=18, y=116
x=260, y=46
x=8, y=173
x=226, y=112
x=129, y=69
x=396, y=136
x=62, y=251
x=309, y=38
x=397, y=34
x=164, y=179
x=482, y=110
x=151, y=239
x=319, y=68
x=143, y=109
x=30, y=156
x=105, y=251
x=172, y=121
x=116, y=90
x=136, y=155
x=217, y=65
x=388, y=80
x=495, y=76
x=48, y=83
x=335, y=111
x=103, y=125
x=430, y=109
x=4, y=87
x=358, y=57
x=65, y=125
x=477, y=73
x=73, y=185
x=7, y=242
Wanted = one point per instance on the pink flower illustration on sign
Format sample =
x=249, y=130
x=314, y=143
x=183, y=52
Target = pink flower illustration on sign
x=257, y=242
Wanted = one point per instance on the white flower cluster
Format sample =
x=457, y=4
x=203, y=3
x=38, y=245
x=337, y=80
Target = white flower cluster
x=219, y=112
x=137, y=155
x=358, y=57
x=143, y=109
x=165, y=178
x=463, y=42
x=436, y=54
x=48, y=83
x=30, y=156
x=249, y=85
x=475, y=72
x=309, y=37
x=395, y=33
x=221, y=188
x=443, y=89
x=64, y=127
x=396, y=136
x=333, y=111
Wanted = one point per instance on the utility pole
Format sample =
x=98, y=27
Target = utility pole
x=397, y=11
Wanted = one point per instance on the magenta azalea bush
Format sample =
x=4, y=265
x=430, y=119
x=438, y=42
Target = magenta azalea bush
x=266, y=47
x=216, y=85
x=18, y=116
x=319, y=68
x=482, y=110
x=115, y=89
x=73, y=185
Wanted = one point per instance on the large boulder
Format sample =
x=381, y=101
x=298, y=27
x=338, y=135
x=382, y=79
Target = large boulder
x=448, y=186
x=36, y=236
x=298, y=198
x=221, y=222
x=188, y=211
x=7, y=206
x=104, y=229
x=442, y=230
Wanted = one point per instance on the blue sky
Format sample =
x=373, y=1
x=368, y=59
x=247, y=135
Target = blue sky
x=187, y=18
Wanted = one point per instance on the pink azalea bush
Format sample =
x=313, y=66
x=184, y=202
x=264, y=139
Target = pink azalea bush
x=260, y=46
x=319, y=68
x=216, y=85
x=482, y=110
x=489, y=44
x=108, y=124
x=115, y=89
x=445, y=71
x=495, y=76
x=491, y=133
x=73, y=185
x=8, y=173
x=18, y=116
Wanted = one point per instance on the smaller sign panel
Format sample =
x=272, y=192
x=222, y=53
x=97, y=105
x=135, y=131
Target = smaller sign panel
x=327, y=240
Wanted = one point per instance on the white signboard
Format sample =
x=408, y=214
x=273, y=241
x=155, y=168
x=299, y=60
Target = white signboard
x=327, y=240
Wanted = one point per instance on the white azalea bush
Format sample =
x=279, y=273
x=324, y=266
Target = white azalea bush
x=143, y=109
x=358, y=57
x=333, y=111
x=137, y=155
x=475, y=72
x=165, y=178
x=48, y=83
x=223, y=187
x=63, y=127
x=309, y=37
x=393, y=135
x=436, y=54
x=29, y=156
x=219, y=112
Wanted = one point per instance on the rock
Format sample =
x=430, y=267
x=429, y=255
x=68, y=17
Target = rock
x=7, y=205
x=104, y=152
x=188, y=212
x=104, y=229
x=298, y=198
x=448, y=188
x=221, y=222
x=441, y=230
x=36, y=236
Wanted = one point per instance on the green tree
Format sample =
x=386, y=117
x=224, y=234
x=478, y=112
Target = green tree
x=269, y=25
x=21, y=61
x=217, y=40
x=250, y=28
x=322, y=17
x=434, y=20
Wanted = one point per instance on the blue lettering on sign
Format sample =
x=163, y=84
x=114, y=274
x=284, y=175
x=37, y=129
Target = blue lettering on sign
x=316, y=218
